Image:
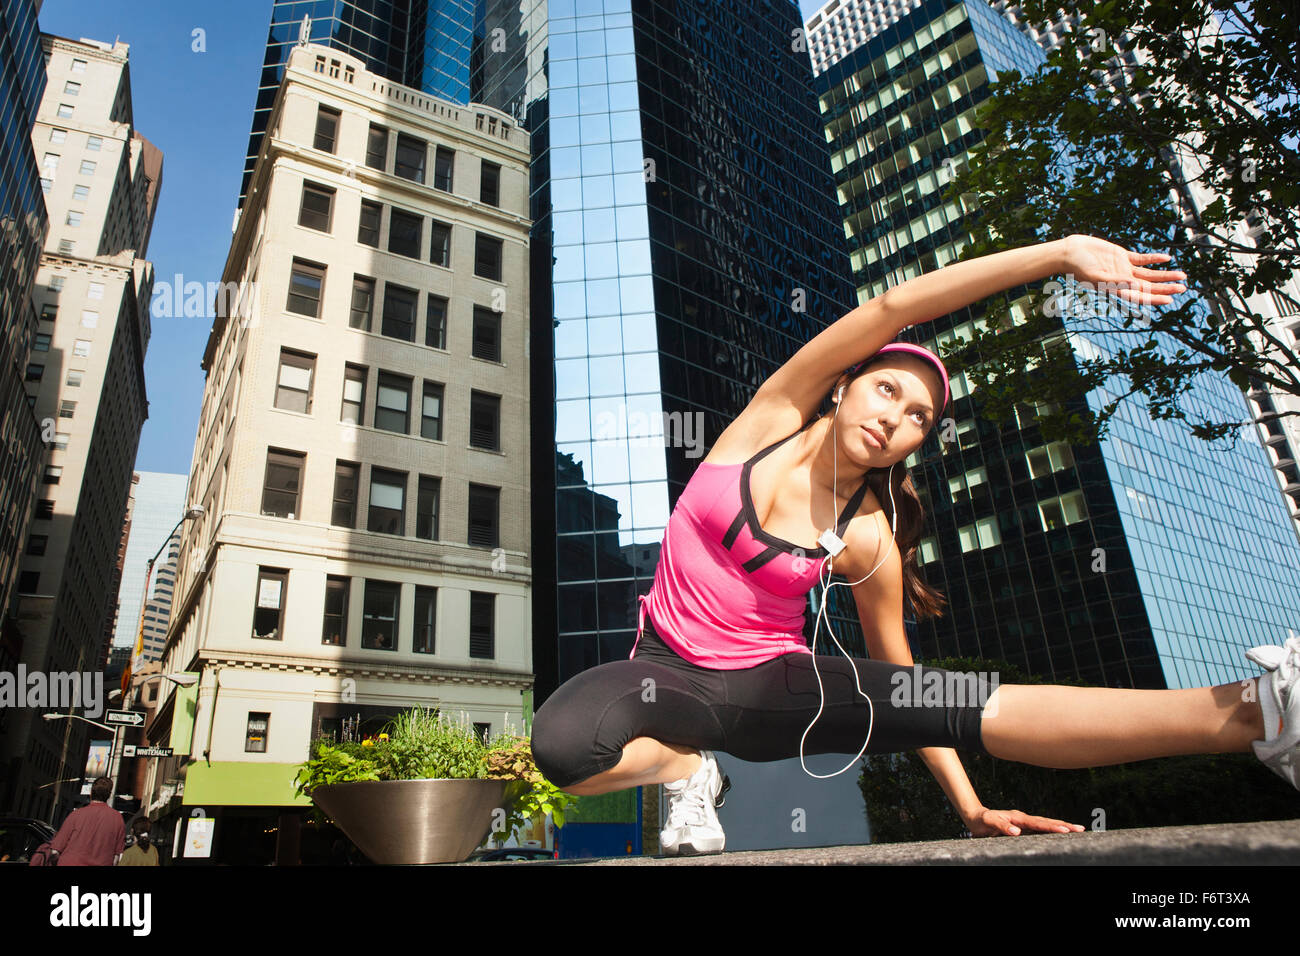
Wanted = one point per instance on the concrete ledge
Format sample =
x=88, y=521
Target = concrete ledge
x=1270, y=843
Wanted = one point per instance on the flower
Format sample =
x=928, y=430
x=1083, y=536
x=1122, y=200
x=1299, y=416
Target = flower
x=383, y=736
x=367, y=742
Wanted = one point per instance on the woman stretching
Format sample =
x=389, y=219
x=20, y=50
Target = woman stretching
x=720, y=661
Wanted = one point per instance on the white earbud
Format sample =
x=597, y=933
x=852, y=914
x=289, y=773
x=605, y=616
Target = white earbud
x=839, y=393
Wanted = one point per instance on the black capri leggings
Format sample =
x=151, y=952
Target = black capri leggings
x=758, y=713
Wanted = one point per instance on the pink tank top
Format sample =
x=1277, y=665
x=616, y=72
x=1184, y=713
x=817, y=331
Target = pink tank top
x=727, y=594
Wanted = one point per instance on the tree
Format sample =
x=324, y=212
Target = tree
x=1164, y=126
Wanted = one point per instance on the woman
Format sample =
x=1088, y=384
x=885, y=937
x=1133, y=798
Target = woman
x=720, y=662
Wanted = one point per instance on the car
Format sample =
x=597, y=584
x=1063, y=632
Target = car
x=512, y=853
x=20, y=836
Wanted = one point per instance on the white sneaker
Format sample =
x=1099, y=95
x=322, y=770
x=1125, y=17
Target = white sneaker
x=693, y=826
x=1279, y=698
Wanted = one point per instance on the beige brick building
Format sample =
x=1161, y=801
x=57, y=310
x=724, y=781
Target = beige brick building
x=362, y=455
x=85, y=380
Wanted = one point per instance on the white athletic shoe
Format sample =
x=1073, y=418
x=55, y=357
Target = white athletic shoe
x=1279, y=698
x=693, y=826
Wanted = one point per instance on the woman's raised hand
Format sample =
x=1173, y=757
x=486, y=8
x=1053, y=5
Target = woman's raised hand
x=1113, y=268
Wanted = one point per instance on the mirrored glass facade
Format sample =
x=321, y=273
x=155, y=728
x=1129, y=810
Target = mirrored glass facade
x=23, y=227
x=1151, y=560
x=685, y=244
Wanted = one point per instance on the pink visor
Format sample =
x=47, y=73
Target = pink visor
x=916, y=350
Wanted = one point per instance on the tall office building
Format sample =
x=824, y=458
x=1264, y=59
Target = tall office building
x=362, y=450
x=426, y=45
x=159, y=504
x=1150, y=560
x=86, y=374
x=23, y=227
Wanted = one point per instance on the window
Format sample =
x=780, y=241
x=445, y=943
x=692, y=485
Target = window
x=94, y=142
x=293, y=386
x=87, y=167
x=1058, y=512
x=49, y=312
x=46, y=184
x=440, y=244
x=363, y=303
x=347, y=477
x=435, y=323
x=317, y=207
x=482, y=633
x=404, y=230
x=255, y=740
x=67, y=247
x=45, y=508
x=426, y=616
x=966, y=487
x=487, y=256
x=426, y=508
x=89, y=318
x=483, y=511
x=61, y=440
x=392, y=403
x=335, y=630
x=400, y=306
x=74, y=378
x=52, y=474
x=354, y=395
x=368, y=229
x=65, y=110
x=387, y=502
x=410, y=158
x=377, y=147
x=50, y=164
x=443, y=163
x=42, y=343
x=487, y=334
x=485, y=421
x=36, y=544
x=927, y=550
x=283, y=483
x=56, y=284
x=489, y=190
x=35, y=371
x=268, y=611
x=431, y=411
x=81, y=348
x=80, y=193
x=982, y=534
x=67, y=409
x=73, y=218
x=966, y=437
x=58, y=135
x=95, y=290
x=78, y=66
x=1047, y=459
x=327, y=128
x=306, y=283
x=71, y=88
x=28, y=582
x=379, y=615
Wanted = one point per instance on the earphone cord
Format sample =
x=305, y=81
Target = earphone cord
x=827, y=584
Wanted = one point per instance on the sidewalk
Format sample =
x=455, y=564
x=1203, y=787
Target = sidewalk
x=1271, y=843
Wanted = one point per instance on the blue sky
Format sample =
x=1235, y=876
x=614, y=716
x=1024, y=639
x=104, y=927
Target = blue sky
x=197, y=108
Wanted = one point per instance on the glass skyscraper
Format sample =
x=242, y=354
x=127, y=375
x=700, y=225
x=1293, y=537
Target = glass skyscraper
x=23, y=227
x=1152, y=559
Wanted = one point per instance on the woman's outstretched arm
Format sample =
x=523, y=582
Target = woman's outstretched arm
x=809, y=374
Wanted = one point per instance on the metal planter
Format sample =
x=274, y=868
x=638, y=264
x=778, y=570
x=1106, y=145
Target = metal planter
x=416, y=821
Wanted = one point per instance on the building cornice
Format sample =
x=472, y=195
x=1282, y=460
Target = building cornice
x=484, y=676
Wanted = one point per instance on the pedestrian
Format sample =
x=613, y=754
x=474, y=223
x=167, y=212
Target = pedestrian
x=93, y=835
x=721, y=662
x=141, y=852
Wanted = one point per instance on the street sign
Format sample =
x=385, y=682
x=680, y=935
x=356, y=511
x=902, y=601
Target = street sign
x=149, y=752
x=128, y=718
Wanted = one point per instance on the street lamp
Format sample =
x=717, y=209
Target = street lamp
x=94, y=723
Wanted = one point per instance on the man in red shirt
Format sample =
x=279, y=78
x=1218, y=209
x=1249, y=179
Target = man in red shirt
x=93, y=835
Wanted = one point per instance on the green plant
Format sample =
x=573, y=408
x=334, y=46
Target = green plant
x=424, y=744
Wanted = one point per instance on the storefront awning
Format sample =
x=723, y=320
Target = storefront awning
x=242, y=784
